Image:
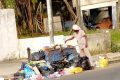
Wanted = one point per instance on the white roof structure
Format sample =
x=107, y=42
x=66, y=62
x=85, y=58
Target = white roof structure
x=91, y=4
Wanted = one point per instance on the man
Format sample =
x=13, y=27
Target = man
x=81, y=38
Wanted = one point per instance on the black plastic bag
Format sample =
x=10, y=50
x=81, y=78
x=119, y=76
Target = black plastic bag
x=58, y=65
x=45, y=71
x=84, y=63
x=36, y=56
x=19, y=76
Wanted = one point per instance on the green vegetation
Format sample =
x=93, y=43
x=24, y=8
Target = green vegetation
x=65, y=33
x=41, y=35
x=23, y=36
x=93, y=31
x=9, y=3
x=115, y=36
x=115, y=47
x=115, y=41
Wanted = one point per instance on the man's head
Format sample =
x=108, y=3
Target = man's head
x=75, y=28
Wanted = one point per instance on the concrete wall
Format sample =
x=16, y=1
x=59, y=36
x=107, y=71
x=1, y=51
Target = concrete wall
x=36, y=44
x=100, y=42
x=57, y=25
x=8, y=35
x=96, y=42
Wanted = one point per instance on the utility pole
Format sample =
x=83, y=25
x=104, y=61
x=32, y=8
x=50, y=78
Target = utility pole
x=50, y=21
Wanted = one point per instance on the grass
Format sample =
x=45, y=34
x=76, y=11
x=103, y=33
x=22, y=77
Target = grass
x=92, y=31
x=31, y=36
x=115, y=41
x=115, y=36
x=42, y=35
x=65, y=33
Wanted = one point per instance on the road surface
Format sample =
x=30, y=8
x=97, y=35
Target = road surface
x=110, y=73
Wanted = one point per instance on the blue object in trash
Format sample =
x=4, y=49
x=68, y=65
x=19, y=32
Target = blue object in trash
x=28, y=72
x=45, y=68
x=71, y=56
x=56, y=56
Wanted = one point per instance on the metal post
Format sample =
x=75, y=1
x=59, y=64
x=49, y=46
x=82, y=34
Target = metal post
x=28, y=51
x=50, y=21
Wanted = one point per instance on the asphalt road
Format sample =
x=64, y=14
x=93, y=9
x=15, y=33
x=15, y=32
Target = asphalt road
x=109, y=73
x=7, y=68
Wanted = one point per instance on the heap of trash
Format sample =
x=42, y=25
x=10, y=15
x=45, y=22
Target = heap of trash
x=52, y=63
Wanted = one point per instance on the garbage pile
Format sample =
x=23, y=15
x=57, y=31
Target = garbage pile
x=52, y=63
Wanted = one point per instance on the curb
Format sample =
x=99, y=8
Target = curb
x=115, y=60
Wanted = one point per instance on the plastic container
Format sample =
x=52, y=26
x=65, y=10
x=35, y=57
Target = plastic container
x=103, y=62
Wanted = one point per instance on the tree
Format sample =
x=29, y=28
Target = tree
x=29, y=16
x=77, y=17
x=1, y=4
x=50, y=21
x=30, y=23
x=7, y=4
x=24, y=14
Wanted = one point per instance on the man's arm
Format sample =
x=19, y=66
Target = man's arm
x=72, y=37
x=86, y=40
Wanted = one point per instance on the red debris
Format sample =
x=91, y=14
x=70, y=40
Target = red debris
x=106, y=23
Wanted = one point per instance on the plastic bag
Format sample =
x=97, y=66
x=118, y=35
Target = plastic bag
x=36, y=56
x=56, y=56
x=73, y=70
x=84, y=63
x=28, y=72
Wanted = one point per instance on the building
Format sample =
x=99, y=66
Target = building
x=108, y=6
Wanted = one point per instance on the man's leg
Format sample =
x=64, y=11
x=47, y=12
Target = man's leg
x=87, y=53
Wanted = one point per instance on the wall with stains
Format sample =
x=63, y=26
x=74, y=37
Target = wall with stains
x=8, y=35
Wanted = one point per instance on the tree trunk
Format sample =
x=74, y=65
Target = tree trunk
x=70, y=9
x=79, y=15
x=50, y=21
x=118, y=16
x=30, y=23
x=2, y=4
x=77, y=18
